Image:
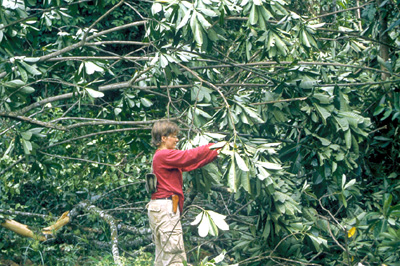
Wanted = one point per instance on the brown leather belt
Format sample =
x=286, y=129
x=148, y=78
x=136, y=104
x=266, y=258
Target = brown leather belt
x=169, y=198
x=175, y=201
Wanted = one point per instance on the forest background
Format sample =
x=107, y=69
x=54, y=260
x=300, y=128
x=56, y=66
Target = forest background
x=305, y=94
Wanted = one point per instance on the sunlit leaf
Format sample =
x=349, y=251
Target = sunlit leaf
x=219, y=220
x=146, y=102
x=91, y=68
x=218, y=145
x=204, y=226
x=241, y=163
x=93, y=93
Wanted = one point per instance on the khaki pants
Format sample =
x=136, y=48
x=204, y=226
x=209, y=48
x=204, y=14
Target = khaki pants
x=167, y=233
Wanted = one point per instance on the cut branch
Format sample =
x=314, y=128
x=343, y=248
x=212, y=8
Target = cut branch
x=21, y=229
x=63, y=220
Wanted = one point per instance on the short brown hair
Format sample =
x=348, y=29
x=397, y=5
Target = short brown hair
x=162, y=128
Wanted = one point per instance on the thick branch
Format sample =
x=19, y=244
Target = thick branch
x=30, y=120
x=112, y=224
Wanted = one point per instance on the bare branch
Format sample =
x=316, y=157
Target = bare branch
x=118, y=42
x=85, y=160
x=30, y=120
x=80, y=58
x=341, y=11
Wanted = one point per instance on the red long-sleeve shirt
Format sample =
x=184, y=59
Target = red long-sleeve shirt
x=169, y=164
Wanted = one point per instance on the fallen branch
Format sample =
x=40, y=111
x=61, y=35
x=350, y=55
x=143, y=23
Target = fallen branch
x=22, y=230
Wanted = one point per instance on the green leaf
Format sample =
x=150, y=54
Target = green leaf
x=351, y=183
x=252, y=113
x=202, y=113
x=91, y=68
x=268, y=165
x=304, y=38
x=253, y=17
x=240, y=162
x=347, y=138
x=263, y=174
x=343, y=181
x=26, y=135
x=93, y=93
x=16, y=83
x=324, y=141
x=387, y=203
x=156, y=7
x=232, y=175
x=324, y=114
x=204, y=23
x=280, y=45
x=204, y=226
x=196, y=29
x=218, y=145
x=264, y=13
x=146, y=102
x=219, y=220
x=318, y=241
x=23, y=73
x=31, y=59
x=342, y=122
x=31, y=69
x=163, y=61
x=27, y=90
x=27, y=145
x=185, y=20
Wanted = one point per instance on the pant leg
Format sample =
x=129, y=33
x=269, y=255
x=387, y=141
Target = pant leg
x=167, y=233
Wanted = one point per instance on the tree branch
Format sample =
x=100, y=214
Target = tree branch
x=30, y=120
x=341, y=11
x=85, y=160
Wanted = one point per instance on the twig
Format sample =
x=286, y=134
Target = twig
x=84, y=160
x=340, y=11
x=101, y=18
x=12, y=165
x=95, y=134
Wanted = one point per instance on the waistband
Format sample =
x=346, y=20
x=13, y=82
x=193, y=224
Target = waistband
x=168, y=198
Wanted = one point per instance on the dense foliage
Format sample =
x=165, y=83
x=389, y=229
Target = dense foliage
x=305, y=95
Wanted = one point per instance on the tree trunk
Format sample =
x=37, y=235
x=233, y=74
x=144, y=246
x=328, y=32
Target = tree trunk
x=383, y=37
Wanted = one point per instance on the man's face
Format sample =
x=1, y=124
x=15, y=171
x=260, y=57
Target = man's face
x=170, y=141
